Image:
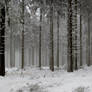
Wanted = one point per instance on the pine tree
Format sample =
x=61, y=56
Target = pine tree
x=40, y=38
x=70, y=52
x=88, y=40
x=57, y=39
x=51, y=37
x=22, y=17
x=75, y=29
x=80, y=37
x=2, y=40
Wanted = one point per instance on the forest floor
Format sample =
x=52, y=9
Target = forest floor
x=35, y=80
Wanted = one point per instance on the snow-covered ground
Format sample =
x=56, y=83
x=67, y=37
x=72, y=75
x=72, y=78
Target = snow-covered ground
x=35, y=80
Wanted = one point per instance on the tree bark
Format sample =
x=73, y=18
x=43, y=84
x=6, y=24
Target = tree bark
x=76, y=67
x=70, y=57
x=40, y=36
x=22, y=66
x=88, y=40
x=2, y=40
x=51, y=38
x=57, y=39
x=81, y=40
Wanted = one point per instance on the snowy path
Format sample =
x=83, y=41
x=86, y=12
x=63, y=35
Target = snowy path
x=46, y=81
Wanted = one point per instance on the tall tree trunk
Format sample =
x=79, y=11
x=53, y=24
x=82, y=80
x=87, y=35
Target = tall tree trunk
x=22, y=66
x=51, y=38
x=57, y=39
x=2, y=40
x=76, y=67
x=70, y=57
x=81, y=40
x=14, y=51
x=88, y=40
x=40, y=38
x=11, y=44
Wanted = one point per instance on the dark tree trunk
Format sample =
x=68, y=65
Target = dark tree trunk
x=51, y=38
x=57, y=39
x=80, y=40
x=22, y=66
x=2, y=40
x=88, y=63
x=76, y=67
x=70, y=57
x=40, y=38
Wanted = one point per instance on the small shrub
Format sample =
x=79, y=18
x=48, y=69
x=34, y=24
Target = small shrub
x=81, y=89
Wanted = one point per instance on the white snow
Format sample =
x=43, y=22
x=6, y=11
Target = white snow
x=35, y=80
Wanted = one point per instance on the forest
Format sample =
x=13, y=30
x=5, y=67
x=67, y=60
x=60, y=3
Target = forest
x=43, y=42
